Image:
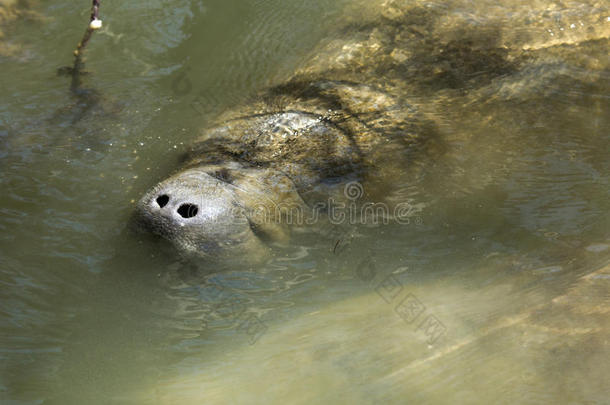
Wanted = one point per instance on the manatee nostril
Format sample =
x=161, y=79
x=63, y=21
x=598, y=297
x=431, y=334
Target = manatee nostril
x=162, y=200
x=188, y=210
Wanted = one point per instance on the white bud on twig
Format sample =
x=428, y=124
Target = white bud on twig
x=95, y=24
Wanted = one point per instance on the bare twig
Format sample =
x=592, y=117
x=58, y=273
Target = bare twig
x=77, y=68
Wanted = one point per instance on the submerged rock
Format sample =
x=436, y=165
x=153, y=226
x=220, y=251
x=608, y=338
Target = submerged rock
x=10, y=11
x=437, y=343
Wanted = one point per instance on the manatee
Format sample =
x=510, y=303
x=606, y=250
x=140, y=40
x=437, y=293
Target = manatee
x=376, y=104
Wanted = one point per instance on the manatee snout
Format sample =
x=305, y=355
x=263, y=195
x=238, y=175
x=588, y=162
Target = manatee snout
x=196, y=212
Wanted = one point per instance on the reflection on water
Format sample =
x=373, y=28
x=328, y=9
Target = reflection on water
x=498, y=292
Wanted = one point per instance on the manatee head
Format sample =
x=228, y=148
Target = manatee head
x=201, y=211
x=242, y=184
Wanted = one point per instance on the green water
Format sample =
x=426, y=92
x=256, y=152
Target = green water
x=92, y=313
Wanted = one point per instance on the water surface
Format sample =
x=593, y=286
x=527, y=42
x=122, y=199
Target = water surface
x=508, y=224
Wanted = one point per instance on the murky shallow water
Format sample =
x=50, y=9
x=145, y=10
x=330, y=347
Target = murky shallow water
x=462, y=304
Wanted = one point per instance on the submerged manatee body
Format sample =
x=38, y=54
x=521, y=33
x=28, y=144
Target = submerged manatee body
x=378, y=102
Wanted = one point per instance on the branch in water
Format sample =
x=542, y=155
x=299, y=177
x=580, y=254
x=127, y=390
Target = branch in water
x=94, y=24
